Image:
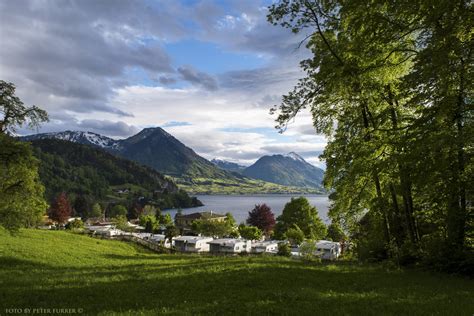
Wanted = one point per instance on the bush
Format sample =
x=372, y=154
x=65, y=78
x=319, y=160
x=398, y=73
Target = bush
x=75, y=225
x=284, y=250
x=307, y=250
x=295, y=235
x=250, y=232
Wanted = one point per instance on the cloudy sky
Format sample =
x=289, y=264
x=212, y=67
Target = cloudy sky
x=206, y=71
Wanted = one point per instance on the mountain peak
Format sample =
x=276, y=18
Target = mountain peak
x=81, y=137
x=290, y=169
x=149, y=131
x=295, y=156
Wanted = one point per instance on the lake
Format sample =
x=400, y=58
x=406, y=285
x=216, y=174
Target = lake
x=241, y=205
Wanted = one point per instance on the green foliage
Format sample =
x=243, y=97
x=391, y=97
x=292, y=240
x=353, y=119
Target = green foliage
x=300, y=213
x=96, y=211
x=14, y=113
x=335, y=232
x=213, y=228
x=82, y=206
x=294, y=235
x=284, y=249
x=85, y=170
x=391, y=86
x=229, y=218
x=76, y=224
x=369, y=240
x=166, y=220
x=250, y=232
x=149, y=222
x=149, y=210
x=121, y=222
x=171, y=232
x=117, y=210
x=308, y=251
x=21, y=192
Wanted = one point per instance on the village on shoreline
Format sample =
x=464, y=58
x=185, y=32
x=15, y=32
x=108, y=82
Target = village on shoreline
x=186, y=235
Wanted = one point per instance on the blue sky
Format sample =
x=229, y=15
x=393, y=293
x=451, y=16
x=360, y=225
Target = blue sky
x=207, y=71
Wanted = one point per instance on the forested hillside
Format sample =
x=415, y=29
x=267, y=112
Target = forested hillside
x=83, y=170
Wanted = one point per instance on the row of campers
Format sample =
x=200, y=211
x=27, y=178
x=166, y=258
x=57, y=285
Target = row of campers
x=222, y=245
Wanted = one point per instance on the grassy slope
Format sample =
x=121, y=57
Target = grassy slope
x=58, y=269
x=239, y=186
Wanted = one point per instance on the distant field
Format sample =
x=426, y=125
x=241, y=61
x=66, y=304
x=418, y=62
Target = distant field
x=50, y=269
x=239, y=186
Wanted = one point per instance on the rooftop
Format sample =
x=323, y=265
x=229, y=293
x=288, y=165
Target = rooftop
x=192, y=239
x=264, y=243
x=227, y=241
x=326, y=244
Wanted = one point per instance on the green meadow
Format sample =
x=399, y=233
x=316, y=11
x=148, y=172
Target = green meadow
x=57, y=269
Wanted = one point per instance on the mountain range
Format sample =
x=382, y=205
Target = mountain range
x=289, y=170
x=79, y=169
x=229, y=166
x=155, y=148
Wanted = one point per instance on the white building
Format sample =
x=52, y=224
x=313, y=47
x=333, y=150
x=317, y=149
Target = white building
x=159, y=238
x=270, y=246
x=105, y=230
x=230, y=245
x=192, y=243
x=328, y=250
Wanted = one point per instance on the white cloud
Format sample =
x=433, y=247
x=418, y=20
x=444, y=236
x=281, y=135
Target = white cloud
x=76, y=59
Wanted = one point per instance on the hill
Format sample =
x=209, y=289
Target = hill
x=288, y=170
x=229, y=166
x=84, y=170
x=57, y=269
x=159, y=150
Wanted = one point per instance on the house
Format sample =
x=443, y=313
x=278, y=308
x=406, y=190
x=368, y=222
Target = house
x=328, y=250
x=229, y=245
x=270, y=246
x=135, y=227
x=161, y=239
x=105, y=230
x=72, y=219
x=144, y=236
x=192, y=243
x=184, y=221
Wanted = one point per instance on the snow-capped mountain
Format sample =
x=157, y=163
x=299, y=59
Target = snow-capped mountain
x=295, y=156
x=86, y=138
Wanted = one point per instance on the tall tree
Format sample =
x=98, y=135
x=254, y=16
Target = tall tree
x=14, y=113
x=60, y=209
x=117, y=210
x=262, y=217
x=21, y=193
x=390, y=85
x=298, y=212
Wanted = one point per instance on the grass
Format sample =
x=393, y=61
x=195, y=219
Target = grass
x=56, y=269
x=239, y=186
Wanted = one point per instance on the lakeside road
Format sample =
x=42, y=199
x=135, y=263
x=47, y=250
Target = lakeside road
x=240, y=205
